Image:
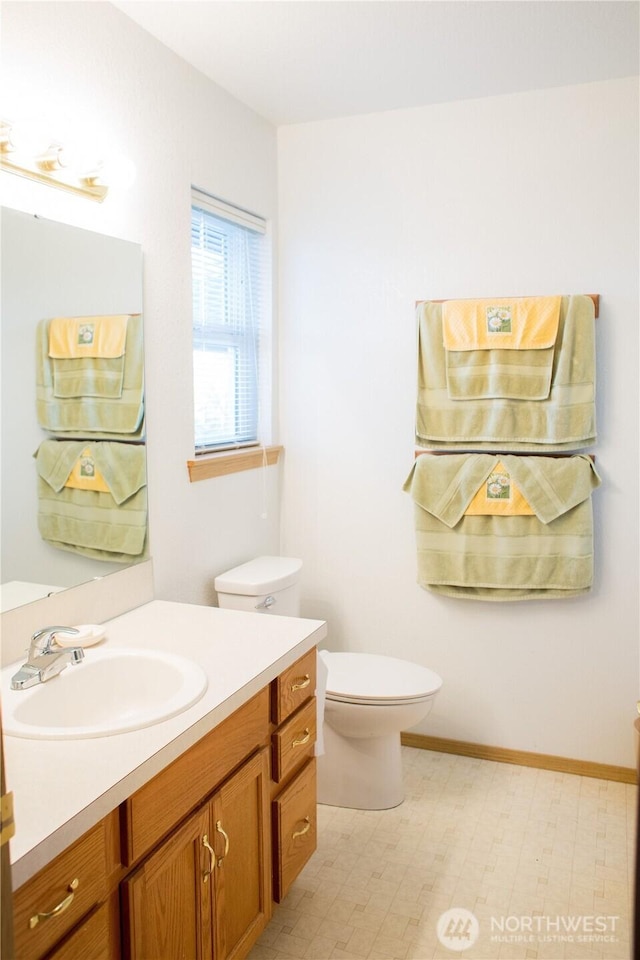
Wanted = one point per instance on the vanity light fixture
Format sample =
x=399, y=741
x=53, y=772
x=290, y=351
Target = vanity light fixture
x=51, y=167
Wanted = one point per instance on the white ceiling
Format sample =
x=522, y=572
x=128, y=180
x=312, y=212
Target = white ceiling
x=300, y=60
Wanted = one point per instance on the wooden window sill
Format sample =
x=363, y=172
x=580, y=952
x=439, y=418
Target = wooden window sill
x=232, y=461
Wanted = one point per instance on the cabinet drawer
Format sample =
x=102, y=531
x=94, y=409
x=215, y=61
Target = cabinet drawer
x=166, y=799
x=293, y=687
x=53, y=901
x=292, y=741
x=294, y=820
x=91, y=941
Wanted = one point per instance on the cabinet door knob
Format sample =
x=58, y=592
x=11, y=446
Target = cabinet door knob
x=301, y=683
x=226, y=841
x=298, y=742
x=212, y=857
x=305, y=829
x=62, y=906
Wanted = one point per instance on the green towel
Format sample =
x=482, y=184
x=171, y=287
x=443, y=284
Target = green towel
x=88, y=377
x=496, y=374
x=108, y=526
x=94, y=416
x=136, y=436
x=565, y=420
x=547, y=555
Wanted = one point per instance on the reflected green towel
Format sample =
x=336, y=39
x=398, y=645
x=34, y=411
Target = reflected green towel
x=136, y=435
x=88, y=377
x=92, y=416
x=565, y=420
x=108, y=526
x=548, y=555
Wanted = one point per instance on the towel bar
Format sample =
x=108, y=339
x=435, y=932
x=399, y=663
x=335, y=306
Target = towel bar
x=448, y=453
x=594, y=296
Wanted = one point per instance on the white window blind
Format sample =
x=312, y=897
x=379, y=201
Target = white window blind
x=227, y=253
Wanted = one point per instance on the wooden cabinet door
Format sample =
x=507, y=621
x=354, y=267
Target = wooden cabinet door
x=47, y=907
x=242, y=889
x=167, y=902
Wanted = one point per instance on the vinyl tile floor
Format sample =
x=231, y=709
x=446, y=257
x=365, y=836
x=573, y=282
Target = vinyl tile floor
x=482, y=861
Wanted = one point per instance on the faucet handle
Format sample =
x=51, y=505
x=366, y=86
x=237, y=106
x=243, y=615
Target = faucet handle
x=42, y=639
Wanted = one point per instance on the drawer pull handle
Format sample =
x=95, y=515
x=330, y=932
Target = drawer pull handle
x=212, y=857
x=303, y=739
x=301, y=683
x=226, y=841
x=305, y=829
x=62, y=906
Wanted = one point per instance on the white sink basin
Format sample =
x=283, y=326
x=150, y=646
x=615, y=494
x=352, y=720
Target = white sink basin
x=110, y=691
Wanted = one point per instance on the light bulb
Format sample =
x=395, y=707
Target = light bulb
x=53, y=158
x=30, y=138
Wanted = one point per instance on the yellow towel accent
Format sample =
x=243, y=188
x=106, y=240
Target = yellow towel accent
x=71, y=337
x=499, y=496
x=522, y=323
x=85, y=474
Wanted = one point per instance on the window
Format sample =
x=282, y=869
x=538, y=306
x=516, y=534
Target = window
x=227, y=253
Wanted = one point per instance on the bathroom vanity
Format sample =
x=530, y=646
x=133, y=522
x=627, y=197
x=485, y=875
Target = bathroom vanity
x=173, y=840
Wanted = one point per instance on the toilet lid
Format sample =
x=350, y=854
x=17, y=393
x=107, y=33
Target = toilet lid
x=373, y=678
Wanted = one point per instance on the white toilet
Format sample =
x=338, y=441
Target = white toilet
x=369, y=698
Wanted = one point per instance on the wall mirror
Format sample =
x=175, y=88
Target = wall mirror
x=48, y=269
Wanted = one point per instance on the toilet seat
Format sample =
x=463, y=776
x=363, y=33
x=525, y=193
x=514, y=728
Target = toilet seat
x=368, y=678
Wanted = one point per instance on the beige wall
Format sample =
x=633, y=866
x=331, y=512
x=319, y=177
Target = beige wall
x=526, y=194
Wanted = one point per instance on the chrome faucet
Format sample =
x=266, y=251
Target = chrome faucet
x=46, y=658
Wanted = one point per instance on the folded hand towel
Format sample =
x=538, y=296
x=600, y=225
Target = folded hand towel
x=546, y=555
x=104, y=410
x=565, y=420
x=520, y=323
x=87, y=337
x=88, y=355
x=500, y=348
x=86, y=377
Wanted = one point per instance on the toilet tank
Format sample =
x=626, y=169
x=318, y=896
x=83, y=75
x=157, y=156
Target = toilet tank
x=263, y=585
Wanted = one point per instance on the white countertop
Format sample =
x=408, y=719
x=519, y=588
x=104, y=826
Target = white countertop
x=63, y=787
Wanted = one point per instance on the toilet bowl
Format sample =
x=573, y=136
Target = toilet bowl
x=369, y=698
